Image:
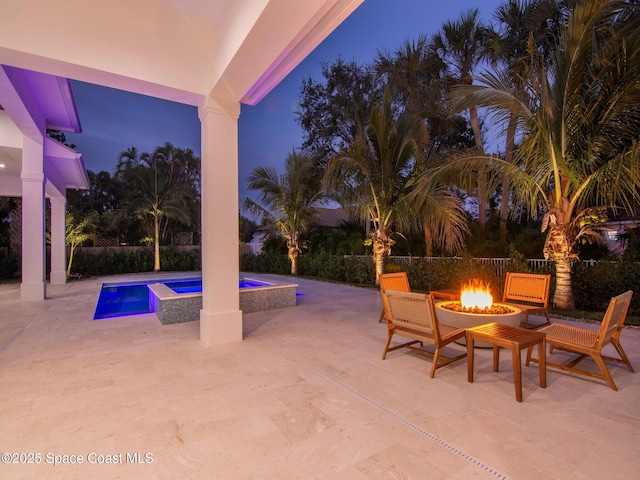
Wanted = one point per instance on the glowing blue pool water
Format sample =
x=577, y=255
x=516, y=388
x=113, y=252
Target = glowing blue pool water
x=117, y=300
x=132, y=298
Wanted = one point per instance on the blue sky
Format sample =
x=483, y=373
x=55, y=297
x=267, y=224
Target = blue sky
x=113, y=120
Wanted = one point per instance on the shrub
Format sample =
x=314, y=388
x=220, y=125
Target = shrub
x=450, y=273
x=356, y=270
x=110, y=262
x=9, y=265
x=593, y=286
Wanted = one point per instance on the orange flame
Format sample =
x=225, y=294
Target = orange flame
x=476, y=295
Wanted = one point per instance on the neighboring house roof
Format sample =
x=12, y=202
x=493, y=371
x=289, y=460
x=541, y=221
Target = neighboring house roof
x=331, y=217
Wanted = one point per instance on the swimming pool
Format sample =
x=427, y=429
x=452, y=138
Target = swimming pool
x=180, y=300
x=118, y=300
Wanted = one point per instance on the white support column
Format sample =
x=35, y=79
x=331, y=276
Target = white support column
x=33, y=286
x=58, y=275
x=220, y=317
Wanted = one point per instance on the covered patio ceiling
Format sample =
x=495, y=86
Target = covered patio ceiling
x=179, y=50
x=214, y=55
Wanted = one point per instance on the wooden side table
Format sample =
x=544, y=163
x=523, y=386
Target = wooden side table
x=514, y=338
x=446, y=293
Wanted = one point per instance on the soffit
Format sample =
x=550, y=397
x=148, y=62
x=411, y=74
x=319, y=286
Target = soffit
x=180, y=50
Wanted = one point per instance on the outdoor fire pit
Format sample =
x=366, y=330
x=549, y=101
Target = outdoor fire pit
x=476, y=307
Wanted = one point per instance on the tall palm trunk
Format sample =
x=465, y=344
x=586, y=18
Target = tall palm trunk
x=378, y=260
x=70, y=262
x=482, y=182
x=506, y=182
x=156, y=244
x=428, y=242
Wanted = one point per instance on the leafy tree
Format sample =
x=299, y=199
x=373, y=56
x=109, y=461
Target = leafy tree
x=182, y=170
x=59, y=136
x=579, y=154
x=287, y=200
x=418, y=81
x=103, y=196
x=247, y=229
x=331, y=111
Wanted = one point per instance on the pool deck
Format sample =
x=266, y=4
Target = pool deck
x=304, y=395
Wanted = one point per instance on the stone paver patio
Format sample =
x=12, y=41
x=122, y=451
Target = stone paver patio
x=305, y=395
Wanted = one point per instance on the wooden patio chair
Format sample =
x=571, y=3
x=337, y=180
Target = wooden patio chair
x=590, y=343
x=412, y=315
x=392, y=281
x=530, y=293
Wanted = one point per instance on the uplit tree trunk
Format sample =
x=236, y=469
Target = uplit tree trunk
x=563, y=295
x=559, y=249
x=156, y=244
x=72, y=249
x=381, y=248
x=293, y=258
x=378, y=260
x=294, y=249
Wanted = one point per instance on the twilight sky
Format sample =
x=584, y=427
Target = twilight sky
x=114, y=120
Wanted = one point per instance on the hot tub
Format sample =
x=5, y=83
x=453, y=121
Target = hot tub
x=177, y=301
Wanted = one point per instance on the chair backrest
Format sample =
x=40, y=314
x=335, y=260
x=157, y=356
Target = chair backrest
x=413, y=311
x=393, y=281
x=527, y=287
x=614, y=318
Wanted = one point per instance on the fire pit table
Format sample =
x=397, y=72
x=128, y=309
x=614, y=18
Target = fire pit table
x=468, y=320
x=476, y=307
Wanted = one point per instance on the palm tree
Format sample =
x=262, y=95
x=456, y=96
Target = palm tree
x=579, y=154
x=130, y=158
x=508, y=52
x=376, y=170
x=151, y=195
x=418, y=79
x=287, y=200
x=462, y=43
x=181, y=167
x=77, y=231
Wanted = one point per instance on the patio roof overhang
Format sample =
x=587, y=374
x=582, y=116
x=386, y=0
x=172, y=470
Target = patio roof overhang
x=178, y=50
x=33, y=101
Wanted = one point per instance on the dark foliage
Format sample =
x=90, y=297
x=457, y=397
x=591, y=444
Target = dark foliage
x=109, y=262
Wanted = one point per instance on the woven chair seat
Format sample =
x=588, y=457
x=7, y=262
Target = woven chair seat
x=417, y=334
x=587, y=343
x=571, y=335
x=447, y=330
